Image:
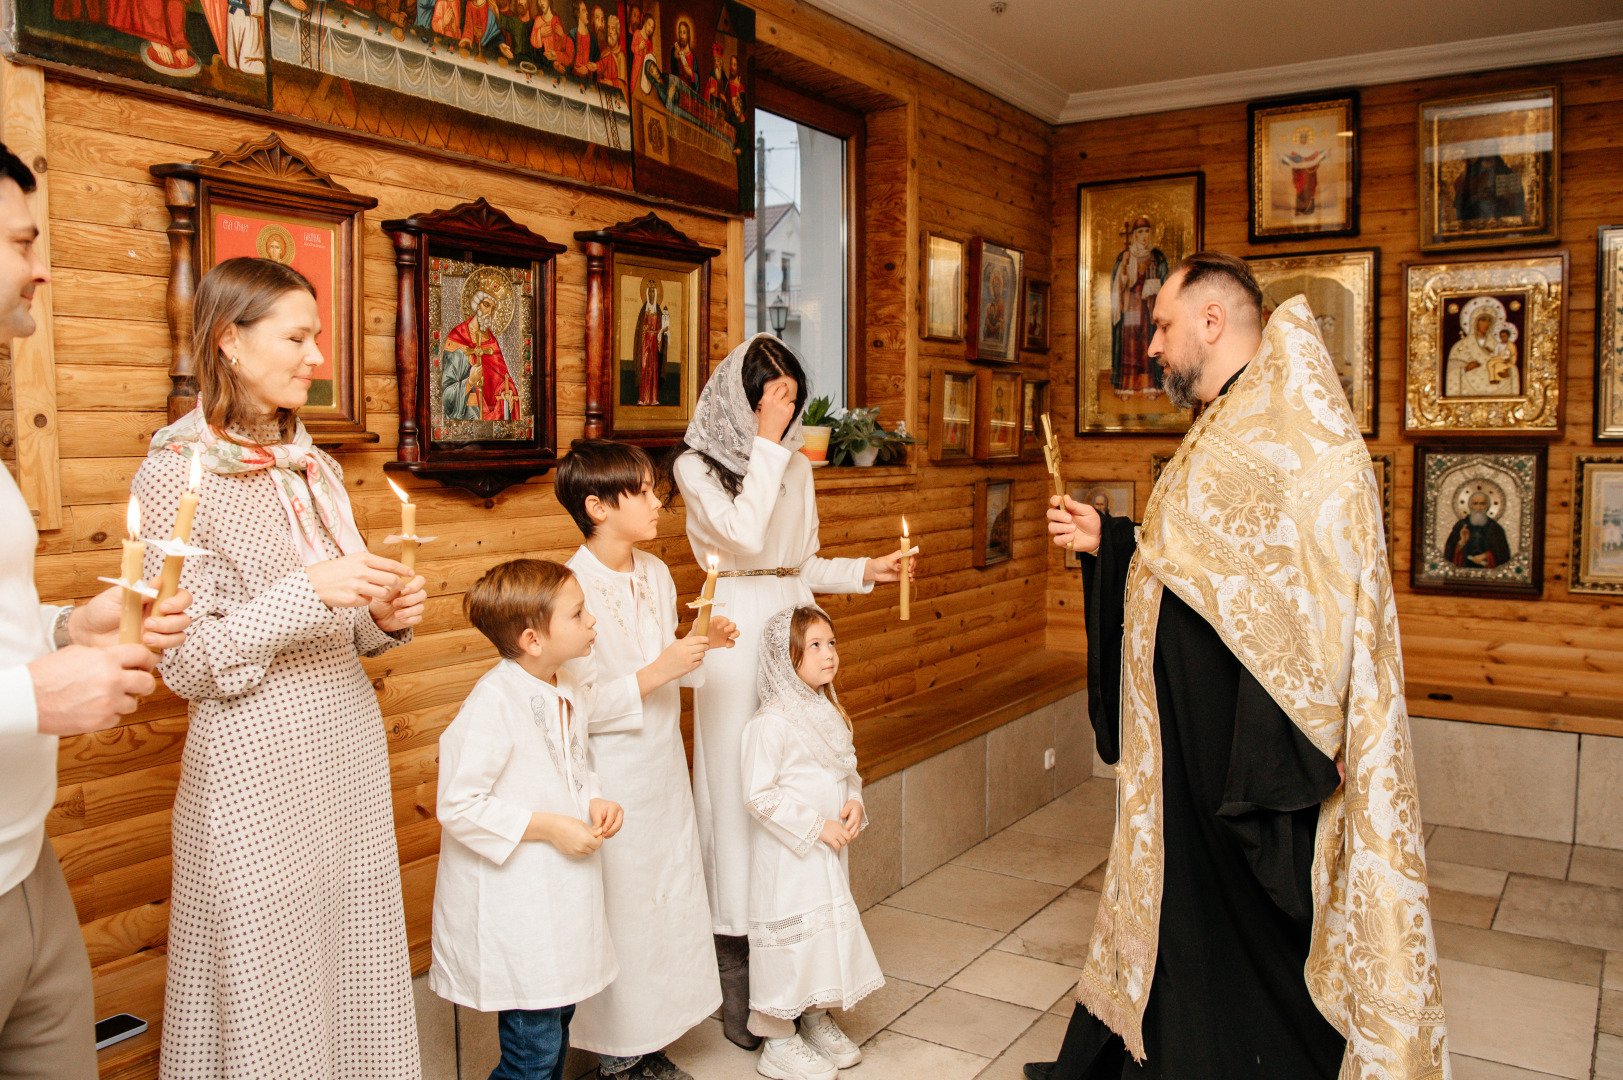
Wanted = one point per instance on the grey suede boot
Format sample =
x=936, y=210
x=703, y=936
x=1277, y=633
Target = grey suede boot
x=733, y=959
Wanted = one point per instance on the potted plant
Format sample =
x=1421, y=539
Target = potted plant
x=857, y=437
x=815, y=429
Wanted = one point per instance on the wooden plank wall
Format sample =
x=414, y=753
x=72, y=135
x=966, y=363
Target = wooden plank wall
x=941, y=156
x=1565, y=649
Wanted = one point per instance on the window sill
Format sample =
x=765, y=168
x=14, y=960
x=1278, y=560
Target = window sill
x=849, y=477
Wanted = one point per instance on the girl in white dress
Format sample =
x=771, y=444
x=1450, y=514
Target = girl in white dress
x=808, y=950
x=751, y=505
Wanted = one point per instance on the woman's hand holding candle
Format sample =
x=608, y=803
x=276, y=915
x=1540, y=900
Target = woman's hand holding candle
x=888, y=568
x=404, y=610
x=358, y=580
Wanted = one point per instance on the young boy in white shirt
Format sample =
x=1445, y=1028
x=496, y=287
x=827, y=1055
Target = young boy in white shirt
x=653, y=876
x=519, y=926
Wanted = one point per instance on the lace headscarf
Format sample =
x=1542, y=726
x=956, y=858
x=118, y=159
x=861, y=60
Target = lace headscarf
x=782, y=691
x=723, y=424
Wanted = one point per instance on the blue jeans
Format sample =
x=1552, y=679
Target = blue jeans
x=534, y=1042
x=610, y=1064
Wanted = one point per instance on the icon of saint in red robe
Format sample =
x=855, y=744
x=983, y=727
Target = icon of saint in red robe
x=476, y=380
x=1135, y=279
x=650, y=341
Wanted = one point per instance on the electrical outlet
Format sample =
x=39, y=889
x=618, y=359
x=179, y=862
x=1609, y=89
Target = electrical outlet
x=1048, y=758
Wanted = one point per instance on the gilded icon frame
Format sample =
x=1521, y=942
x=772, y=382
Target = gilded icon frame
x=1534, y=153
x=1609, y=334
x=1516, y=476
x=1525, y=300
x=1595, y=477
x=1316, y=119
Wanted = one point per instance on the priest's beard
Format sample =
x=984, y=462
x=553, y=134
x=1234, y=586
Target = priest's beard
x=1478, y=519
x=1180, y=383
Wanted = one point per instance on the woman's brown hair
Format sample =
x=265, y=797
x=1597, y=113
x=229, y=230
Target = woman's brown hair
x=800, y=623
x=238, y=292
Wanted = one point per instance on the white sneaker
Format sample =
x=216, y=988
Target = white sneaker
x=823, y=1035
x=792, y=1059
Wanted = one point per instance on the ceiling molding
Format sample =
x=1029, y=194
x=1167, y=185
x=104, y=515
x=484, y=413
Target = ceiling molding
x=1397, y=65
x=916, y=30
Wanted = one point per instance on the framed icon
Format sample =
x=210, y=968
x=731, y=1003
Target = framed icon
x=1034, y=316
x=1609, y=335
x=993, y=535
x=1035, y=402
x=1486, y=344
x=1343, y=289
x=943, y=288
x=998, y=403
x=1597, y=525
x=1490, y=169
x=1478, y=520
x=952, y=413
x=1130, y=236
x=1304, y=168
x=993, y=306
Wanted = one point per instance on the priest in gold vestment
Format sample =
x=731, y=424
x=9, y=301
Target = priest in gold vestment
x=1264, y=912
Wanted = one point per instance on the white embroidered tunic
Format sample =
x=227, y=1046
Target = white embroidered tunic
x=653, y=879
x=517, y=923
x=772, y=523
x=807, y=946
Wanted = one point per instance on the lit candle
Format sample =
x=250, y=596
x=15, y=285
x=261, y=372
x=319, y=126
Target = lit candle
x=408, y=528
x=170, y=582
x=129, y=623
x=907, y=592
x=707, y=596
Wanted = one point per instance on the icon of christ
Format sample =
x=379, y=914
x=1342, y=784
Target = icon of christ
x=477, y=383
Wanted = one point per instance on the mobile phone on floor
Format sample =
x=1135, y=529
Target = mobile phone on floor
x=116, y=1029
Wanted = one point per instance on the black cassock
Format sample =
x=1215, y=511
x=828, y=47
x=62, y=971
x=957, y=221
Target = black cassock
x=1241, y=788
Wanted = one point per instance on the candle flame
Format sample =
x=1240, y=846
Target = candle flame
x=904, y=528
x=397, y=490
x=132, y=518
x=712, y=561
x=197, y=473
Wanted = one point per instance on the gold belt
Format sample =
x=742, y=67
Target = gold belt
x=777, y=571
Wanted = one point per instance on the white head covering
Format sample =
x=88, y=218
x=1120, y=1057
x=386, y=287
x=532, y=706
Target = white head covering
x=783, y=692
x=723, y=424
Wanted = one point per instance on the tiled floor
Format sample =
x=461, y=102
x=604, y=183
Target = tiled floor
x=981, y=956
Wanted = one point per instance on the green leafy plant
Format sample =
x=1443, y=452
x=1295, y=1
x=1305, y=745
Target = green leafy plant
x=856, y=430
x=817, y=410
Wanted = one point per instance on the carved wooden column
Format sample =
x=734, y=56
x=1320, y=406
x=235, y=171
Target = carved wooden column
x=406, y=260
x=180, y=193
x=598, y=341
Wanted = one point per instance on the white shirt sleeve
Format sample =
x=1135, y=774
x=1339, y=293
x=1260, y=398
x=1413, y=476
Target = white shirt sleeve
x=19, y=714
x=740, y=524
x=793, y=823
x=470, y=762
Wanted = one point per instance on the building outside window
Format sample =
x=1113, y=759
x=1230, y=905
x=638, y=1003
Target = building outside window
x=797, y=248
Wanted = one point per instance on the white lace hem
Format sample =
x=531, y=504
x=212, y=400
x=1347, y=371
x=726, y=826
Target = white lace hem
x=822, y=999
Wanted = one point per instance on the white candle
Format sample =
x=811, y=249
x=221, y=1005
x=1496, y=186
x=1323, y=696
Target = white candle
x=184, y=515
x=408, y=528
x=906, y=585
x=129, y=623
x=701, y=623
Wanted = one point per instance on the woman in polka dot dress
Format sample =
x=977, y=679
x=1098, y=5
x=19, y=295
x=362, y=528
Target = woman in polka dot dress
x=287, y=939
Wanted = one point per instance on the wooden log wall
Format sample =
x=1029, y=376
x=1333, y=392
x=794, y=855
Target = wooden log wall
x=1512, y=661
x=941, y=155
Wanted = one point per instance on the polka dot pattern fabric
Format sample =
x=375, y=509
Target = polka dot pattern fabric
x=287, y=938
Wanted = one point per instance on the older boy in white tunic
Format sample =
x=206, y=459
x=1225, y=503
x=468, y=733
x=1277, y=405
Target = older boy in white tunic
x=519, y=927
x=653, y=878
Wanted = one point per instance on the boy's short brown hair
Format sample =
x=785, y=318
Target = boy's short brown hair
x=512, y=597
x=603, y=468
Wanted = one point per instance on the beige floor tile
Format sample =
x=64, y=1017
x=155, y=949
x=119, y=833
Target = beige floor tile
x=1516, y=952
x=1095, y=879
x=890, y=1055
x=1041, y=1042
x=1562, y=911
x=1080, y=820
x=1036, y=984
x=874, y=1012
x=1597, y=866
x=922, y=948
x=479, y=1047
x=1097, y=791
x=436, y=1032
x=1037, y=858
x=977, y=897
x=707, y=1055
x=1614, y=971
x=1611, y=1012
x=1460, y=878
x=1059, y=932
x=1517, y=854
x=967, y=1022
x=1608, y=1057
x=1470, y=1068
x=1539, y=1024
x=1452, y=907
